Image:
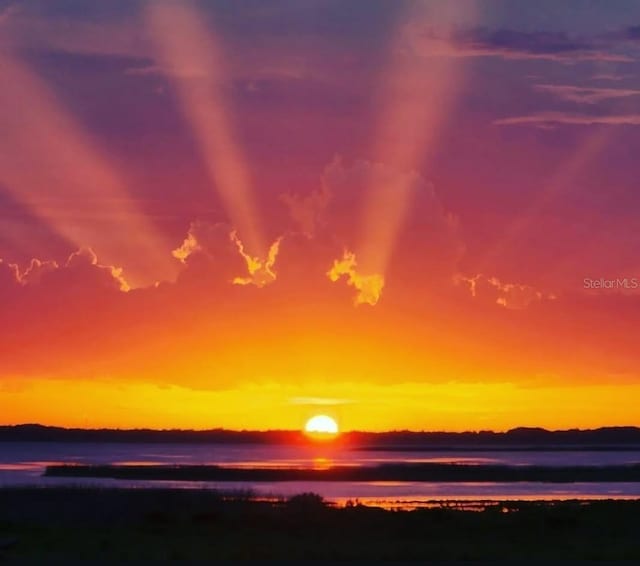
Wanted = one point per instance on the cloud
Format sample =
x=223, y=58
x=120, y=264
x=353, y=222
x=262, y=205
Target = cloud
x=470, y=282
x=206, y=239
x=85, y=261
x=260, y=270
x=508, y=295
x=633, y=33
x=306, y=210
x=220, y=244
x=67, y=33
x=610, y=77
x=630, y=34
x=514, y=295
x=550, y=118
x=38, y=269
x=401, y=218
x=586, y=95
x=510, y=44
x=369, y=286
x=9, y=275
x=325, y=401
x=187, y=248
x=201, y=335
x=47, y=156
x=81, y=270
x=7, y=12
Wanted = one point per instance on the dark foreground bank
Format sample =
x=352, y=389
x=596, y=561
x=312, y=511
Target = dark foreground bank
x=114, y=524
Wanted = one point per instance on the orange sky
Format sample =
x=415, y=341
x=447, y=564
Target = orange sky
x=423, y=216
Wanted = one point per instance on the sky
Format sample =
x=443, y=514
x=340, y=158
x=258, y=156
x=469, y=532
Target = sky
x=239, y=214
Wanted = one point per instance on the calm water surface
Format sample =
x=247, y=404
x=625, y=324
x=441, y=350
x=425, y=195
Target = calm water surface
x=24, y=464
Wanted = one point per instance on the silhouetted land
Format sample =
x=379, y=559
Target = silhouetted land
x=69, y=525
x=385, y=472
x=611, y=438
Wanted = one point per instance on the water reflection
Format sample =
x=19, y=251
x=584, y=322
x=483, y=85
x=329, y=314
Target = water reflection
x=24, y=463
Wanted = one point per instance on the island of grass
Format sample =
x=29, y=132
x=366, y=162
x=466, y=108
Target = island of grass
x=431, y=472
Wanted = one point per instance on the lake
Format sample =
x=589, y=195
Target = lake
x=23, y=463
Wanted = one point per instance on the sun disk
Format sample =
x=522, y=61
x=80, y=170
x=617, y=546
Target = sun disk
x=321, y=426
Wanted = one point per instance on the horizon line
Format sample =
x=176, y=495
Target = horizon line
x=300, y=431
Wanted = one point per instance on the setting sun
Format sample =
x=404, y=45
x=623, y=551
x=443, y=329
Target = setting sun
x=321, y=426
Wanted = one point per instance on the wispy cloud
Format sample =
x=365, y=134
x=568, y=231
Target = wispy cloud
x=506, y=294
x=7, y=12
x=627, y=34
x=511, y=44
x=550, y=118
x=325, y=401
x=610, y=77
x=586, y=95
x=306, y=210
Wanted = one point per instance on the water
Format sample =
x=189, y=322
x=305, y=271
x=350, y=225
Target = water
x=24, y=464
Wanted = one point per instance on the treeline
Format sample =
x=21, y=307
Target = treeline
x=518, y=438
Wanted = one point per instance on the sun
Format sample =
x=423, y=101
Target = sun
x=322, y=427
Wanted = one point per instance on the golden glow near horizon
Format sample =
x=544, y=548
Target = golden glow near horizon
x=363, y=406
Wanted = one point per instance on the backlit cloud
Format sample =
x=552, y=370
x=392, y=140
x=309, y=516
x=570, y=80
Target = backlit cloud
x=86, y=261
x=48, y=158
x=406, y=205
x=38, y=268
x=81, y=271
x=508, y=295
x=369, y=286
x=261, y=270
x=9, y=274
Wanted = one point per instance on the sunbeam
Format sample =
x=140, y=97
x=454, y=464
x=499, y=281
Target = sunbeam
x=190, y=54
x=50, y=165
x=416, y=96
x=560, y=180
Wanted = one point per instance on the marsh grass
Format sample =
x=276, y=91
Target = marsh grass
x=69, y=524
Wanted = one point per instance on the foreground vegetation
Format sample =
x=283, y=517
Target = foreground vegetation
x=70, y=524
